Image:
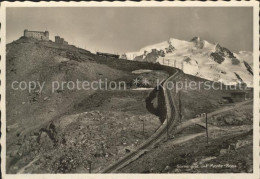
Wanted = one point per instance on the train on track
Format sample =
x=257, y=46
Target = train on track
x=108, y=55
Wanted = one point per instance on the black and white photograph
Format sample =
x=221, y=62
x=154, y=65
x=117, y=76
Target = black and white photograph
x=130, y=89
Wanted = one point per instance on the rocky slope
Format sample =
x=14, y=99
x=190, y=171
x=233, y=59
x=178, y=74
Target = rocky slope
x=200, y=58
x=45, y=125
x=65, y=130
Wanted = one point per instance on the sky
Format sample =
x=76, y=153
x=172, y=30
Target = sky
x=127, y=29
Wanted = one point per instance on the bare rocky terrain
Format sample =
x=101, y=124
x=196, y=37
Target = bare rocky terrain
x=75, y=131
x=229, y=148
x=46, y=126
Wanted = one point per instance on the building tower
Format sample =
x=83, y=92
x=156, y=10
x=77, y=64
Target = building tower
x=25, y=32
x=46, y=33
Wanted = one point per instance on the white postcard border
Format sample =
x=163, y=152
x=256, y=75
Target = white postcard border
x=253, y=4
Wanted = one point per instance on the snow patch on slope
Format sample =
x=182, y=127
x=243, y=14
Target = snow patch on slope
x=195, y=58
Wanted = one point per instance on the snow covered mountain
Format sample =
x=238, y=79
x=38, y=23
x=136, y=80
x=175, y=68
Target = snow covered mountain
x=200, y=58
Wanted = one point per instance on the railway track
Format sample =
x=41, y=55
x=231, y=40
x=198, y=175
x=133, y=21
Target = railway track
x=168, y=124
x=171, y=107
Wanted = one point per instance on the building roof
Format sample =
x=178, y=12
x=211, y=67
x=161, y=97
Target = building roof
x=36, y=31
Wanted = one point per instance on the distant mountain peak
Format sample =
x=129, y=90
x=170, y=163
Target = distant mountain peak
x=195, y=39
x=205, y=59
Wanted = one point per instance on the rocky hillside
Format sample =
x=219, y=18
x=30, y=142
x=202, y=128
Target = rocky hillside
x=200, y=58
x=70, y=130
x=31, y=130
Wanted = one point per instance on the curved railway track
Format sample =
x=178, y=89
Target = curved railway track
x=171, y=117
x=171, y=107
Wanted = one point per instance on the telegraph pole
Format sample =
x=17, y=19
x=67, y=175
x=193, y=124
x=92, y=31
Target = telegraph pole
x=89, y=169
x=207, y=128
x=180, y=116
x=143, y=128
x=167, y=129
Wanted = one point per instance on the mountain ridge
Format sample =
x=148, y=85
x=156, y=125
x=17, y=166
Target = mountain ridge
x=206, y=60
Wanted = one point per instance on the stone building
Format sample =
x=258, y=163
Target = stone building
x=60, y=40
x=37, y=34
